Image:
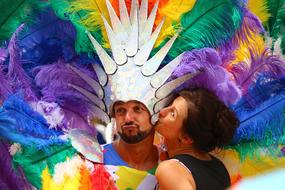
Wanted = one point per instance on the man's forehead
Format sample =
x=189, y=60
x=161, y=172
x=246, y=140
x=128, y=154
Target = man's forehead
x=122, y=103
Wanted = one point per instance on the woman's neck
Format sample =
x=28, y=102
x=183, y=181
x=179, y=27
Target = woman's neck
x=176, y=148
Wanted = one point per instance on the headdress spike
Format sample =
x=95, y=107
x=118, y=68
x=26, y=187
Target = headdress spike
x=163, y=74
x=151, y=66
x=146, y=28
x=107, y=62
x=92, y=83
x=118, y=53
x=144, y=52
x=94, y=99
x=167, y=88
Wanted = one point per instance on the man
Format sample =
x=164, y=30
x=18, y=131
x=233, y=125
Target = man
x=135, y=145
x=134, y=152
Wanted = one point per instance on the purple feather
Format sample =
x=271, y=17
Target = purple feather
x=251, y=25
x=270, y=65
x=54, y=80
x=5, y=88
x=16, y=73
x=214, y=77
x=75, y=119
x=3, y=54
x=283, y=150
x=8, y=176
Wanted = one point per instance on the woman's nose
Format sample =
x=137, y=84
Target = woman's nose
x=163, y=112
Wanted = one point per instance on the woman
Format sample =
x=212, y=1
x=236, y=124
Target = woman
x=194, y=124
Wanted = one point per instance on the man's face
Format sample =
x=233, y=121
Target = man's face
x=133, y=121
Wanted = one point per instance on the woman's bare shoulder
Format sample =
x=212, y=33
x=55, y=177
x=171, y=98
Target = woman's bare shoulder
x=170, y=172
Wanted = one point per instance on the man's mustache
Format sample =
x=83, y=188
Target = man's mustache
x=129, y=123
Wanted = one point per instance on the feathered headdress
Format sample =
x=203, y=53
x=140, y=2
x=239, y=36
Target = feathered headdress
x=143, y=50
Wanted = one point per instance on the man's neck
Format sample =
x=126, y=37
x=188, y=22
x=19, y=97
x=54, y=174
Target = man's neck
x=142, y=155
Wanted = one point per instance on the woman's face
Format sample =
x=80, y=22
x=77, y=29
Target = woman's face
x=171, y=119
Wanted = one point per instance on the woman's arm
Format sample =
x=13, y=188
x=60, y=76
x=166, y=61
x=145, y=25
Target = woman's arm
x=173, y=175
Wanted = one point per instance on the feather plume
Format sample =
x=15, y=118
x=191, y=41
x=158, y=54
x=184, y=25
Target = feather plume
x=264, y=124
x=88, y=15
x=3, y=54
x=264, y=88
x=13, y=14
x=245, y=37
x=151, y=3
x=34, y=161
x=254, y=158
x=104, y=181
x=276, y=23
x=49, y=39
x=213, y=76
x=266, y=129
x=54, y=80
x=172, y=10
x=85, y=183
x=95, y=8
x=61, y=9
x=5, y=87
x=16, y=73
x=10, y=178
x=208, y=24
x=259, y=8
x=254, y=45
x=26, y=126
x=268, y=64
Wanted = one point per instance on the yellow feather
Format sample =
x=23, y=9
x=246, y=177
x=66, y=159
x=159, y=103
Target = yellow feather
x=250, y=166
x=69, y=182
x=259, y=8
x=172, y=12
x=254, y=44
x=92, y=20
x=46, y=179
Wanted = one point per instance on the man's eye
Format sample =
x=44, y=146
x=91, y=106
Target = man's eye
x=138, y=109
x=119, y=110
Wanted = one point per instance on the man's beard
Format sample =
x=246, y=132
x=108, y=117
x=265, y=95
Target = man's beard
x=133, y=139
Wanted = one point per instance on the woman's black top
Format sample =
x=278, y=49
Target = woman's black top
x=208, y=174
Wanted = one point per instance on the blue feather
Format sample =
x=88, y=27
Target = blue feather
x=265, y=123
x=49, y=39
x=19, y=123
x=264, y=88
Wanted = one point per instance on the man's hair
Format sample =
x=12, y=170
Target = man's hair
x=210, y=123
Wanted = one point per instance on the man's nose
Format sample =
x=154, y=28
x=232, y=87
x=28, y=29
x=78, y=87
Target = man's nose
x=129, y=116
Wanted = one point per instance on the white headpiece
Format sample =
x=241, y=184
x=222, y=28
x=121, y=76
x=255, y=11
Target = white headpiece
x=130, y=74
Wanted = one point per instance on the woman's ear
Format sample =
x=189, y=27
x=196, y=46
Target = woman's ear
x=185, y=139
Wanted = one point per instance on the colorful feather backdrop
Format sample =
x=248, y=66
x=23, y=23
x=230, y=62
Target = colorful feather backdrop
x=238, y=45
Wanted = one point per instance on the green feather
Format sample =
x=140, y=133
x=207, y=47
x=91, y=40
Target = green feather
x=283, y=44
x=34, y=161
x=276, y=23
x=208, y=24
x=16, y=12
x=82, y=43
x=257, y=149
